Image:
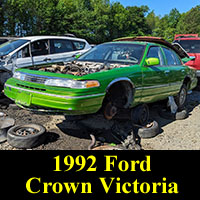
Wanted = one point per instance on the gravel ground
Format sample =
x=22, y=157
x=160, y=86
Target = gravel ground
x=65, y=134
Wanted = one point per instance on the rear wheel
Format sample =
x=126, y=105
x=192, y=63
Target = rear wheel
x=181, y=98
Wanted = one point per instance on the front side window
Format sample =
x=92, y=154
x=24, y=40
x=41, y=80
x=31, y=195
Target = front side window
x=169, y=57
x=10, y=46
x=60, y=46
x=39, y=48
x=24, y=52
x=115, y=53
x=155, y=52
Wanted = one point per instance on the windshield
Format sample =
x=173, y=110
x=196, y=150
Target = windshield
x=191, y=46
x=10, y=46
x=115, y=53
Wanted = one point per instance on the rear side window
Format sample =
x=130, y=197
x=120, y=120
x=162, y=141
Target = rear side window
x=178, y=61
x=169, y=56
x=78, y=45
x=60, y=46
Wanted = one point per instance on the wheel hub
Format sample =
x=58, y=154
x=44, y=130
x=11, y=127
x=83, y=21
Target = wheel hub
x=110, y=111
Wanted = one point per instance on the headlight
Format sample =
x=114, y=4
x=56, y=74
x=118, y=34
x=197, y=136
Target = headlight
x=72, y=83
x=19, y=76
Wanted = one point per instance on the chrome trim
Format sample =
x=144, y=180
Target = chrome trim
x=158, y=86
x=42, y=76
x=120, y=79
x=55, y=95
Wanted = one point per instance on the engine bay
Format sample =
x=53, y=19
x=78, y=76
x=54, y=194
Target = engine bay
x=80, y=68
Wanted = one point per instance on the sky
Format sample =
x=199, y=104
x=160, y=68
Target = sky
x=162, y=7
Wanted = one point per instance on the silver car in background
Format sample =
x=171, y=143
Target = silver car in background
x=37, y=50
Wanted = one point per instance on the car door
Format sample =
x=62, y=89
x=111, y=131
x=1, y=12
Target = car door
x=176, y=70
x=40, y=52
x=23, y=58
x=155, y=78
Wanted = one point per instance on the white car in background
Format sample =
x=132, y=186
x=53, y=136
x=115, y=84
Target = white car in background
x=37, y=50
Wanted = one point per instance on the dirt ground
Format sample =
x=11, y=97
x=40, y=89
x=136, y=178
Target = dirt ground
x=64, y=133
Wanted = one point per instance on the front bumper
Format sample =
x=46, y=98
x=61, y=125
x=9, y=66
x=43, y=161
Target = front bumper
x=72, y=105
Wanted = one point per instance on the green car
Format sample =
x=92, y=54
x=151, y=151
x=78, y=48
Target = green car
x=111, y=76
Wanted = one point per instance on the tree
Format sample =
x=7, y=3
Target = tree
x=152, y=22
x=189, y=22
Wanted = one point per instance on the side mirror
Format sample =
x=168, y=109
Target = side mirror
x=76, y=56
x=186, y=59
x=152, y=61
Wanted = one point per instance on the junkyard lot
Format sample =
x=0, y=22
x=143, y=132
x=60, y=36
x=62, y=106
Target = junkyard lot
x=68, y=135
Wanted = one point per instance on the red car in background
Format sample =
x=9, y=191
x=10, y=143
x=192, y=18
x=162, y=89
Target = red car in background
x=191, y=44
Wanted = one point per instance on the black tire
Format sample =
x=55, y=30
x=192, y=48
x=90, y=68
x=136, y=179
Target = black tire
x=180, y=115
x=26, y=136
x=140, y=114
x=149, y=132
x=181, y=98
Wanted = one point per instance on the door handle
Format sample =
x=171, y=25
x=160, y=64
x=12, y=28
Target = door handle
x=47, y=59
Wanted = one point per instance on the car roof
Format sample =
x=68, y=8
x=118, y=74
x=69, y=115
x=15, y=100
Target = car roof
x=157, y=40
x=34, y=38
x=186, y=37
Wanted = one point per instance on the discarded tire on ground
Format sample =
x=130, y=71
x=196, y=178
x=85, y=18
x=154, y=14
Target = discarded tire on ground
x=150, y=130
x=179, y=115
x=26, y=136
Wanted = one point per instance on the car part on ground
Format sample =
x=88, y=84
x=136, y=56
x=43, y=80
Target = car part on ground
x=179, y=115
x=5, y=124
x=26, y=136
x=150, y=130
x=172, y=104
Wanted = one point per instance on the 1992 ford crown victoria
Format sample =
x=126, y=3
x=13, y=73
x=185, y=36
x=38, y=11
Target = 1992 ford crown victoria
x=114, y=75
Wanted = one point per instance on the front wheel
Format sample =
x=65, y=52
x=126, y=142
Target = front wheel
x=181, y=98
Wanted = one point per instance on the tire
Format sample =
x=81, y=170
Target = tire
x=149, y=132
x=181, y=98
x=180, y=115
x=140, y=115
x=34, y=135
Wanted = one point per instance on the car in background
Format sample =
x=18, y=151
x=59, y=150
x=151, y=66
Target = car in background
x=37, y=50
x=191, y=44
x=111, y=76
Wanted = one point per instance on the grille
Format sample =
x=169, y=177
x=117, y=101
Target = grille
x=28, y=87
x=35, y=79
